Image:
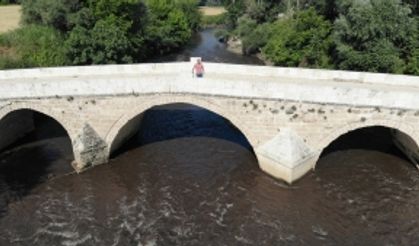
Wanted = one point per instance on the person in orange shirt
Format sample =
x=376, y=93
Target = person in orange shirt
x=198, y=69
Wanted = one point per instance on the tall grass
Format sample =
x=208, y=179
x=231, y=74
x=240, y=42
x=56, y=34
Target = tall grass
x=31, y=46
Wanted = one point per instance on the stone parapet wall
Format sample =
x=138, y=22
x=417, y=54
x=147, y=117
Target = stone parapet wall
x=306, y=85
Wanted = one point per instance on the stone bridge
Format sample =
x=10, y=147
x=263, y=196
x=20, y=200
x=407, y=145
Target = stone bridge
x=288, y=115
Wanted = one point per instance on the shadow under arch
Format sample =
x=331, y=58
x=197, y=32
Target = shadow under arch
x=186, y=114
x=391, y=137
x=34, y=147
x=23, y=126
x=38, y=109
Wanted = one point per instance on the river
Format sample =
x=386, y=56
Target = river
x=189, y=178
x=205, y=45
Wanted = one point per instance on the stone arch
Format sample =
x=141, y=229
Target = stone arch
x=337, y=132
x=14, y=107
x=170, y=99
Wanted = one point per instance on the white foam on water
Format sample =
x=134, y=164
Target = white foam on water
x=63, y=234
x=78, y=241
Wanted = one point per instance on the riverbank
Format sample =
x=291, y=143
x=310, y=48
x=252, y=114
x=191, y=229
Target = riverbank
x=204, y=44
x=235, y=46
x=212, y=16
x=9, y=17
x=212, y=11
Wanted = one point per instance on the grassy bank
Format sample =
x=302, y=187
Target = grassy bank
x=9, y=20
x=212, y=16
x=9, y=17
x=212, y=11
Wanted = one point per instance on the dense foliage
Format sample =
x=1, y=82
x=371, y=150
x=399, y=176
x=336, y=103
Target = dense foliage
x=30, y=46
x=364, y=35
x=100, y=31
x=4, y=2
x=301, y=40
x=385, y=44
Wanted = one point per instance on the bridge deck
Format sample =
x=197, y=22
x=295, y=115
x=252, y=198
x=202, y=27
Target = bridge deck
x=309, y=85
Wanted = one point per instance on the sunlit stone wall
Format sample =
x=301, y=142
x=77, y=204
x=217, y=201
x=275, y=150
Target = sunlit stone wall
x=288, y=115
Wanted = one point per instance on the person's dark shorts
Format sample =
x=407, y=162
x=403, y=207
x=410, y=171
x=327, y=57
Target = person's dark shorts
x=199, y=75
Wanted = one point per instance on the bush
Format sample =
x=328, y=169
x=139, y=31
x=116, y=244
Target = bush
x=168, y=27
x=245, y=25
x=234, y=11
x=9, y=62
x=6, y=2
x=254, y=41
x=33, y=45
x=377, y=36
x=107, y=32
x=303, y=40
x=222, y=35
x=115, y=31
x=54, y=13
x=413, y=63
x=106, y=43
x=213, y=20
x=191, y=12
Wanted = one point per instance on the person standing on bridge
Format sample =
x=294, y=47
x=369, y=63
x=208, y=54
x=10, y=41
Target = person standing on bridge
x=198, y=69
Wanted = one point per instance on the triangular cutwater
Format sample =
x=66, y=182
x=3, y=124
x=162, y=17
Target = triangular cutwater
x=286, y=148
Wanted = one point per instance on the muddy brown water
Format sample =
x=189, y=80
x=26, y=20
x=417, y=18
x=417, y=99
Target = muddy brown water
x=189, y=178
x=183, y=184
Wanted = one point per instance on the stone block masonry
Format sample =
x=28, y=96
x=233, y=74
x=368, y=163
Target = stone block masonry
x=288, y=115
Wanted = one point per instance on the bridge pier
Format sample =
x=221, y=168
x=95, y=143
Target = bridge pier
x=89, y=149
x=286, y=156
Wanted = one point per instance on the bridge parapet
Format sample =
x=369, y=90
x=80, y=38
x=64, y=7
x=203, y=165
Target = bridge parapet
x=216, y=68
x=306, y=85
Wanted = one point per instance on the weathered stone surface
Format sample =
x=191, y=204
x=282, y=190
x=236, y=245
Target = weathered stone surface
x=89, y=149
x=283, y=154
x=289, y=115
x=126, y=132
x=407, y=145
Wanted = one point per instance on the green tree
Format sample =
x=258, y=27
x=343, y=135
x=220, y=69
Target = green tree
x=414, y=5
x=54, y=13
x=116, y=31
x=168, y=27
x=190, y=9
x=376, y=36
x=257, y=38
x=107, y=31
x=108, y=42
x=302, y=40
x=5, y=2
x=34, y=45
x=245, y=25
x=235, y=9
x=264, y=10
